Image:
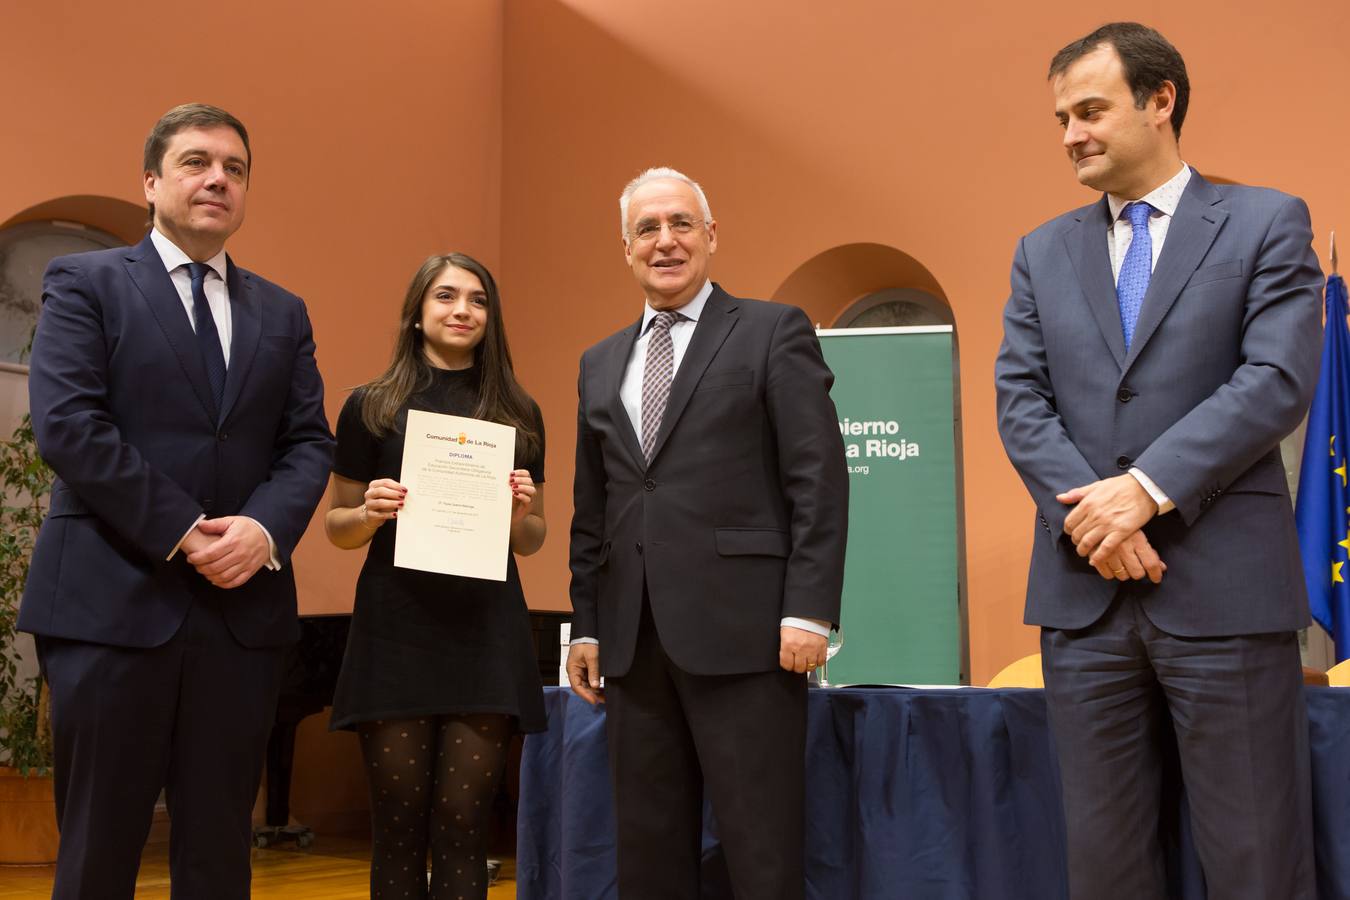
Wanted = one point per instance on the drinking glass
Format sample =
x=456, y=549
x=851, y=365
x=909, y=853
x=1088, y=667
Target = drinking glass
x=834, y=646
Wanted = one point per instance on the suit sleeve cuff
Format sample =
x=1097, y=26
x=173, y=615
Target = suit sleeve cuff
x=174, y=551
x=273, y=562
x=1165, y=504
x=583, y=640
x=815, y=626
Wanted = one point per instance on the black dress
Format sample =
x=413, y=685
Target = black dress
x=424, y=643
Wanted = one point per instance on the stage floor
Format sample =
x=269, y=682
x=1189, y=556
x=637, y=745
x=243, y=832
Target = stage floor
x=334, y=868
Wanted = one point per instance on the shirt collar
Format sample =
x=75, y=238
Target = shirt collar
x=1163, y=198
x=691, y=310
x=174, y=258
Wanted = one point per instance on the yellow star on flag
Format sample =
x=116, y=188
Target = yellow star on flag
x=1336, y=573
x=1345, y=543
x=1341, y=472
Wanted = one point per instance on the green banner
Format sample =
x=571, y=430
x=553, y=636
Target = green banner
x=901, y=614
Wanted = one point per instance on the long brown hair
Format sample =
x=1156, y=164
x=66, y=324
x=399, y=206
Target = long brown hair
x=500, y=397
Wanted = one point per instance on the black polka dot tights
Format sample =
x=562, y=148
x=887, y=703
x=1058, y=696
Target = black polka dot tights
x=432, y=781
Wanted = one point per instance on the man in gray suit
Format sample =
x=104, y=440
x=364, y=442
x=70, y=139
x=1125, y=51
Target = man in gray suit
x=1158, y=344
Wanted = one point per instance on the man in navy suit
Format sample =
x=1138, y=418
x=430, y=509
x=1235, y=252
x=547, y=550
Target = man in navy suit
x=177, y=398
x=1157, y=346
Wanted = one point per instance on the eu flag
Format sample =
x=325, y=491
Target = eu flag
x=1323, y=508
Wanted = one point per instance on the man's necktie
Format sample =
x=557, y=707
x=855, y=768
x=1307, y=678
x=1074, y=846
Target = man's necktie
x=656, y=375
x=208, y=339
x=1136, y=269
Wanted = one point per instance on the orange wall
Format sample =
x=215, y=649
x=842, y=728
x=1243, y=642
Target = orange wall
x=925, y=127
x=376, y=135
x=507, y=130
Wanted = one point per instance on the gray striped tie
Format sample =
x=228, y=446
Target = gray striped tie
x=656, y=375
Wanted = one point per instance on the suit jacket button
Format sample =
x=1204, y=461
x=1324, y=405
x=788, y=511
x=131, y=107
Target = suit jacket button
x=1123, y=462
x=639, y=548
x=649, y=484
x=222, y=436
x=1124, y=395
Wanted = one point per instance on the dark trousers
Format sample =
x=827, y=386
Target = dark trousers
x=191, y=717
x=742, y=738
x=1235, y=705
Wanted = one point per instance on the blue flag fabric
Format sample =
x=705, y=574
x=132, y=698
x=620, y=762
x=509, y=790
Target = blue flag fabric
x=1323, y=508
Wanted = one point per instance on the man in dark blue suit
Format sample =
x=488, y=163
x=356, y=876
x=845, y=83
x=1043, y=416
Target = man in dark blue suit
x=1157, y=346
x=177, y=398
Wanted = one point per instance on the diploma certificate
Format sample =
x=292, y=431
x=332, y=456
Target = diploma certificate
x=456, y=518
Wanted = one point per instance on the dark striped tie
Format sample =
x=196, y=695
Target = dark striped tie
x=656, y=376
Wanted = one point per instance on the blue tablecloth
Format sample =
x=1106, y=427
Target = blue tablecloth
x=945, y=794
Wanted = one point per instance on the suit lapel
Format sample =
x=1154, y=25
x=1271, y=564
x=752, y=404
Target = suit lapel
x=1189, y=237
x=1086, y=246
x=715, y=323
x=246, y=325
x=615, y=366
x=147, y=272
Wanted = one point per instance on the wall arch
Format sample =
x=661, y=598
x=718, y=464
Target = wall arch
x=28, y=241
x=827, y=284
x=848, y=286
x=125, y=221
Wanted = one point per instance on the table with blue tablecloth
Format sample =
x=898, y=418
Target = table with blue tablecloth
x=951, y=794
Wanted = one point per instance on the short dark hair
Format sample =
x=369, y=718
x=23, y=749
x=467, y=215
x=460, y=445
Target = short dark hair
x=189, y=115
x=1149, y=59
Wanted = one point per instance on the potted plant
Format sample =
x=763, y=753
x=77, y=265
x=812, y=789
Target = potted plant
x=27, y=808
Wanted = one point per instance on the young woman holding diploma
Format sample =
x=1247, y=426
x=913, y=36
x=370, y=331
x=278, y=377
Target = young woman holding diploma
x=439, y=670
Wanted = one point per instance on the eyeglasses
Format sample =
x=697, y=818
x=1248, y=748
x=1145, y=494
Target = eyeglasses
x=647, y=232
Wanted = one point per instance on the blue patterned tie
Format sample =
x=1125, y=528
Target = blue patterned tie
x=1135, y=271
x=208, y=339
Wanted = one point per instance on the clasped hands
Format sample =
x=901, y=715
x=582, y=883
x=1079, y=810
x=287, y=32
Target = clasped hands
x=1105, y=524
x=227, y=551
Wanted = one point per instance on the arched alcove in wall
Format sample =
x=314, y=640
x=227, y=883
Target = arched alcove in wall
x=29, y=240
x=871, y=285
x=128, y=222
x=831, y=283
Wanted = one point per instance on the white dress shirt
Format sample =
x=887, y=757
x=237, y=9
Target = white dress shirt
x=630, y=393
x=218, y=298
x=681, y=332
x=1164, y=200
x=217, y=292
